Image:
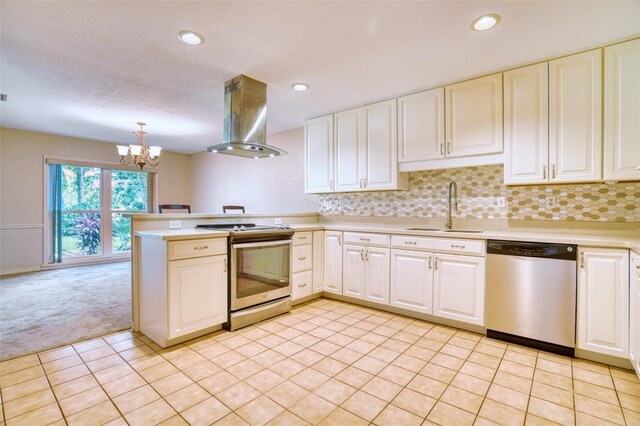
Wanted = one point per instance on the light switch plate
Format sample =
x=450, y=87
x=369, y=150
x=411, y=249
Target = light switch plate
x=501, y=202
x=175, y=224
x=550, y=202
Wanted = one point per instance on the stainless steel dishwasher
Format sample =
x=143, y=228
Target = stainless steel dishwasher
x=531, y=294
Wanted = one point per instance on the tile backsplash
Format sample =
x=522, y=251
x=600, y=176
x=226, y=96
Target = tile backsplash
x=478, y=190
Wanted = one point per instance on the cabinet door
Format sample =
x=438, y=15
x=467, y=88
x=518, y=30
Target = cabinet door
x=318, y=260
x=381, y=145
x=622, y=111
x=634, y=314
x=332, y=276
x=575, y=118
x=474, y=117
x=421, y=126
x=412, y=280
x=318, y=154
x=197, y=294
x=458, y=288
x=349, y=165
x=377, y=274
x=301, y=285
x=603, y=301
x=353, y=272
x=526, y=125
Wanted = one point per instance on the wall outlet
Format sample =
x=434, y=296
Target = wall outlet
x=278, y=221
x=175, y=224
x=550, y=201
x=501, y=202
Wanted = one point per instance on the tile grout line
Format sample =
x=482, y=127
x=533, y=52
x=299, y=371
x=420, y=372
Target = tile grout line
x=55, y=397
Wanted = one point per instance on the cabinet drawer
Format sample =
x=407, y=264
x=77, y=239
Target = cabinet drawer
x=302, y=258
x=447, y=245
x=302, y=238
x=196, y=248
x=360, y=238
x=301, y=284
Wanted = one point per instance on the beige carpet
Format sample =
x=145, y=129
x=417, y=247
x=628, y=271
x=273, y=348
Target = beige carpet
x=44, y=310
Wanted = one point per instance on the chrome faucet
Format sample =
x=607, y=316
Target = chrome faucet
x=452, y=202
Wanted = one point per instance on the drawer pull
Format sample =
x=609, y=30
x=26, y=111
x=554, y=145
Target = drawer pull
x=302, y=285
x=302, y=258
x=410, y=243
x=302, y=238
x=200, y=247
x=365, y=239
x=435, y=264
x=455, y=246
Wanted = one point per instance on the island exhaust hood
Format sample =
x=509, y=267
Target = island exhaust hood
x=245, y=120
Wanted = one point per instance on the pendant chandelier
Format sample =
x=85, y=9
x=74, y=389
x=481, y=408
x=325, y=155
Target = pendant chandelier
x=140, y=154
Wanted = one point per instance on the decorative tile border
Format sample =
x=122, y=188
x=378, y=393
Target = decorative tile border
x=478, y=189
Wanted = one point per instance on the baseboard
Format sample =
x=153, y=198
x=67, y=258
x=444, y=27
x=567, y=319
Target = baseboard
x=75, y=264
x=18, y=271
x=306, y=298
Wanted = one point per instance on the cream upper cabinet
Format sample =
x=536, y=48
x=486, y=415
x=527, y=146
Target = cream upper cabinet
x=421, y=126
x=474, y=117
x=318, y=154
x=526, y=125
x=381, y=147
x=332, y=271
x=412, y=280
x=634, y=314
x=458, y=288
x=603, y=301
x=622, y=111
x=353, y=271
x=349, y=152
x=575, y=118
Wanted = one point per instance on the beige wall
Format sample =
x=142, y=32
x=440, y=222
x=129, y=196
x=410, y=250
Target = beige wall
x=269, y=185
x=22, y=188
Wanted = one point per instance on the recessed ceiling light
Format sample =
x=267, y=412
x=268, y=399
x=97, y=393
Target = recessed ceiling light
x=300, y=87
x=190, y=37
x=485, y=22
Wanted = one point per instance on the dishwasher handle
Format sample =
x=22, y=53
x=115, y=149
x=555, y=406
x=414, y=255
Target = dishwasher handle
x=533, y=249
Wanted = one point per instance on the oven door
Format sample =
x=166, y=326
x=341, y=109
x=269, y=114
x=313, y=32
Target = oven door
x=260, y=272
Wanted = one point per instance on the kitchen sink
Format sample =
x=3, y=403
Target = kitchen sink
x=471, y=231
x=424, y=229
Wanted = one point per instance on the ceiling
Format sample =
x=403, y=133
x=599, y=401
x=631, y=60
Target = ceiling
x=93, y=69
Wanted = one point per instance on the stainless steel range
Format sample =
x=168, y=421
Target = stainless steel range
x=260, y=272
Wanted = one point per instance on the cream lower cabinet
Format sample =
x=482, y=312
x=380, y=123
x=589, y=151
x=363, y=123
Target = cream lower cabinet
x=353, y=271
x=634, y=323
x=332, y=269
x=366, y=273
x=412, y=280
x=183, y=288
x=301, y=265
x=318, y=260
x=458, y=288
x=603, y=301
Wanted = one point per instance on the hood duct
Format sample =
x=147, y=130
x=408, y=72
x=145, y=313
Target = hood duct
x=245, y=120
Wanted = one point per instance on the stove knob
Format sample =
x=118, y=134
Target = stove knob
x=243, y=228
x=235, y=229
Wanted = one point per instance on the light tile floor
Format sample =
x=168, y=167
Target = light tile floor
x=328, y=363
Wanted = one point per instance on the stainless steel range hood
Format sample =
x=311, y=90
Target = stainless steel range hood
x=245, y=120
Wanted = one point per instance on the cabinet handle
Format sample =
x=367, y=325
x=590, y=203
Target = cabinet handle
x=302, y=238
x=200, y=247
x=435, y=263
x=302, y=285
x=366, y=182
x=225, y=264
x=455, y=246
x=442, y=149
x=582, y=260
x=544, y=171
x=366, y=255
x=302, y=258
x=553, y=171
x=362, y=254
x=448, y=147
x=410, y=243
x=429, y=262
x=365, y=239
x=340, y=240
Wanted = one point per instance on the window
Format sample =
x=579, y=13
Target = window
x=90, y=208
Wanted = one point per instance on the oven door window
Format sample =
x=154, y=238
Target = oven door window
x=261, y=269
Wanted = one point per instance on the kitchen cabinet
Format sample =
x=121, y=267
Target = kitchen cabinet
x=440, y=276
x=622, y=111
x=412, y=280
x=319, y=156
x=318, y=260
x=575, y=118
x=183, y=288
x=474, y=117
x=354, y=271
x=421, y=126
x=458, y=288
x=603, y=301
x=366, y=267
x=634, y=314
x=526, y=125
x=301, y=264
x=332, y=273
x=361, y=153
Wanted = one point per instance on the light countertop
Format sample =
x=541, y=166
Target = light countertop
x=181, y=234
